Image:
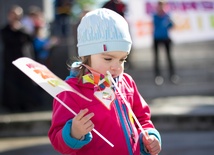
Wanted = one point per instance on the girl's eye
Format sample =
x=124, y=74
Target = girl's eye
x=108, y=59
x=123, y=60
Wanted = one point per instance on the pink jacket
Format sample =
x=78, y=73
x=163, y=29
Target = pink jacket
x=114, y=123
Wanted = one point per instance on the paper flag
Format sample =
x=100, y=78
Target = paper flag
x=49, y=82
x=44, y=77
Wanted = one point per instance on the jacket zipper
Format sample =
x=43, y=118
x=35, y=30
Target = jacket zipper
x=129, y=123
x=124, y=127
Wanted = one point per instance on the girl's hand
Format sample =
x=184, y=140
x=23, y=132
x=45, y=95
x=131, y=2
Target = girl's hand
x=151, y=144
x=81, y=124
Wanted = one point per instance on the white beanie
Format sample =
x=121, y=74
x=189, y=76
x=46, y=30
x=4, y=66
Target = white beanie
x=103, y=30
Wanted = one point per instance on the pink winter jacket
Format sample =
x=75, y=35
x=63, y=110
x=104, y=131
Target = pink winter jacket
x=114, y=123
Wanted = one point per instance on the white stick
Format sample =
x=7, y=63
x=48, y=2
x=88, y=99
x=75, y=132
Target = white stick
x=22, y=64
x=69, y=109
x=127, y=104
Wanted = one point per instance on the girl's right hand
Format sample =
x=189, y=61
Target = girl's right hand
x=82, y=124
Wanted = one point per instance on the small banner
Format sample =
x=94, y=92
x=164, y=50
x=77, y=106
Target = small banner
x=44, y=77
x=49, y=82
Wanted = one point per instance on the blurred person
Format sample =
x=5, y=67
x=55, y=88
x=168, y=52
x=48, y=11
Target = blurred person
x=30, y=20
x=43, y=45
x=62, y=18
x=117, y=6
x=162, y=24
x=18, y=91
x=104, y=43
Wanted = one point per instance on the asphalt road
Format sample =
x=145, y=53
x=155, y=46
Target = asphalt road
x=176, y=143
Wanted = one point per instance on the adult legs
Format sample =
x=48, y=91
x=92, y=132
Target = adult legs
x=156, y=58
x=172, y=76
x=167, y=44
x=158, y=78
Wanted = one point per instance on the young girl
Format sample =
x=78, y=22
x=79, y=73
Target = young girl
x=103, y=45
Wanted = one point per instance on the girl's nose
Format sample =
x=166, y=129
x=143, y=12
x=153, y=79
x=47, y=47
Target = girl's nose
x=115, y=66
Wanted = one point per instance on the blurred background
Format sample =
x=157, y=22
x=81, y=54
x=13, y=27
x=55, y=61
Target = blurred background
x=182, y=109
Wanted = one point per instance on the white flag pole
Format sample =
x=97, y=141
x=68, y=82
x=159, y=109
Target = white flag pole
x=127, y=104
x=69, y=109
x=49, y=82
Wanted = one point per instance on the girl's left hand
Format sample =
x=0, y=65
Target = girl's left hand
x=152, y=144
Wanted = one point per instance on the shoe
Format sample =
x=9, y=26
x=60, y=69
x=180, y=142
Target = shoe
x=159, y=80
x=175, y=79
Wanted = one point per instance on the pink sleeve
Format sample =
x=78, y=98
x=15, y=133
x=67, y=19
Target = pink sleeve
x=59, y=118
x=138, y=104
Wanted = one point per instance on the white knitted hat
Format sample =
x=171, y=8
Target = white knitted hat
x=103, y=30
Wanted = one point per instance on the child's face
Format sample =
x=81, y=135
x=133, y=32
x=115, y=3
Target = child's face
x=109, y=61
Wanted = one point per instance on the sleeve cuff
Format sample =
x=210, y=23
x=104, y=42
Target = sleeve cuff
x=72, y=142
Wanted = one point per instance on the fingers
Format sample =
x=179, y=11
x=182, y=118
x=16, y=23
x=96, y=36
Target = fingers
x=89, y=126
x=152, y=144
x=83, y=118
x=154, y=150
x=81, y=114
x=86, y=121
x=87, y=118
x=82, y=124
